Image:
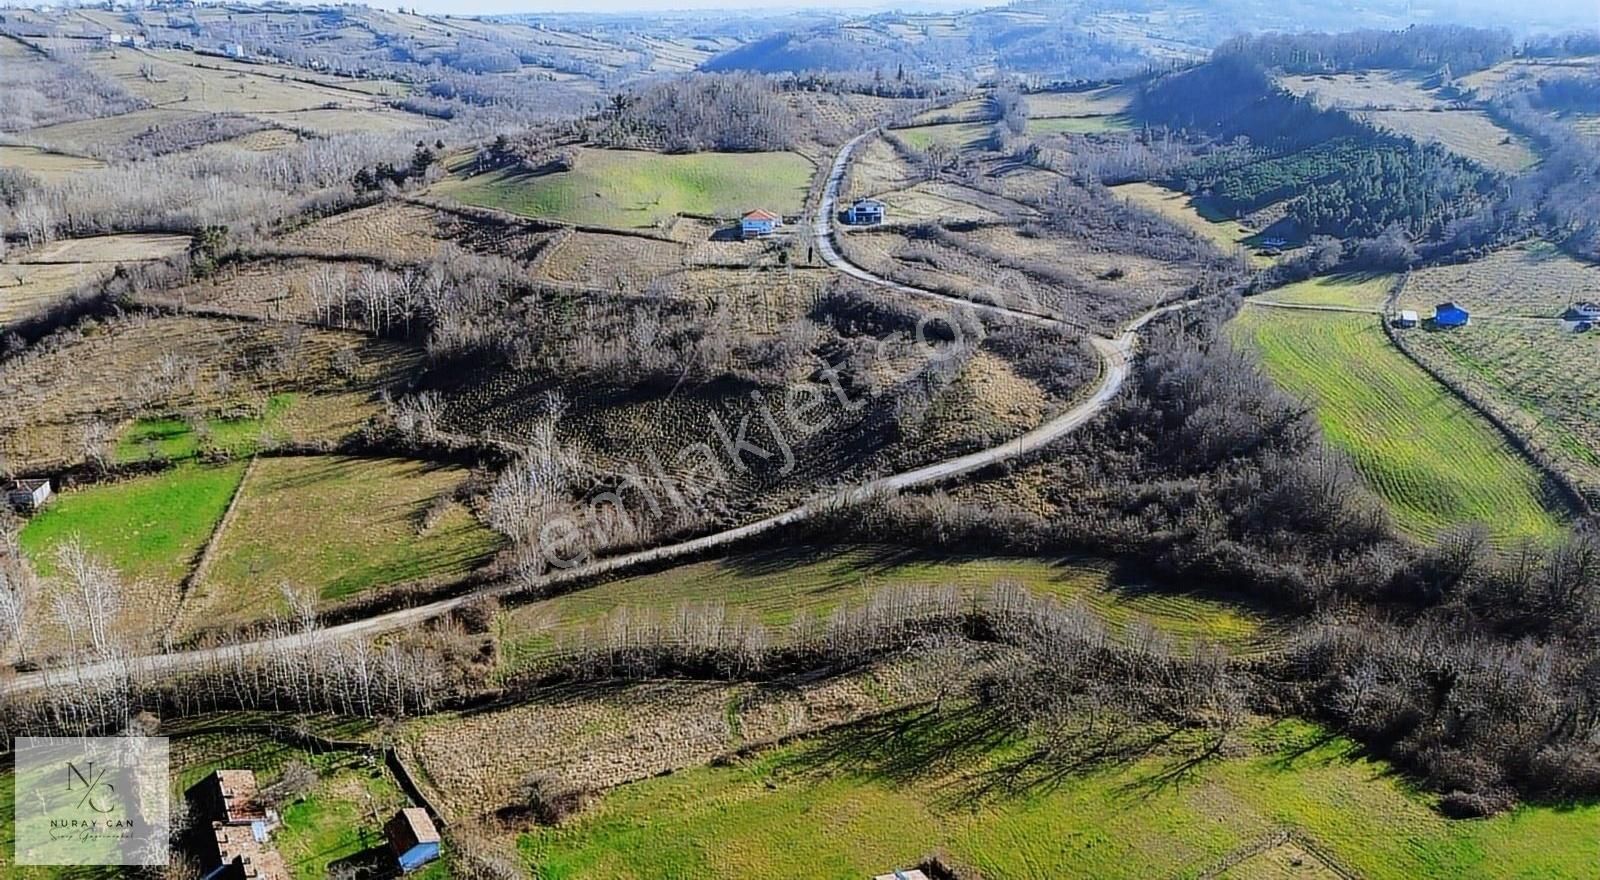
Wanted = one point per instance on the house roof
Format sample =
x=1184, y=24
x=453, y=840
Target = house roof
x=868, y=203
x=1407, y=315
x=243, y=857
x=762, y=214
x=239, y=795
x=1449, y=307
x=408, y=828
x=911, y=874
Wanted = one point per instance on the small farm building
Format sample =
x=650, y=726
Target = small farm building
x=865, y=212
x=1408, y=318
x=759, y=223
x=29, y=495
x=233, y=50
x=413, y=838
x=1449, y=314
x=911, y=874
x=1583, y=311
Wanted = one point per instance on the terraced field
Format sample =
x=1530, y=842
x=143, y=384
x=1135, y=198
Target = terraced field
x=1436, y=462
x=1107, y=101
x=775, y=587
x=631, y=189
x=885, y=793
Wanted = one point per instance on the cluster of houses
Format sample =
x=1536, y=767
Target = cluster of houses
x=762, y=223
x=238, y=845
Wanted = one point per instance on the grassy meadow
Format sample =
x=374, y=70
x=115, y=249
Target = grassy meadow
x=148, y=527
x=1470, y=134
x=1435, y=461
x=1078, y=124
x=1353, y=291
x=630, y=189
x=1228, y=235
x=885, y=793
x=174, y=439
x=775, y=587
x=338, y=526
x=960, y=135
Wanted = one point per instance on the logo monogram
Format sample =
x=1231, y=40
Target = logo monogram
x=90, y=786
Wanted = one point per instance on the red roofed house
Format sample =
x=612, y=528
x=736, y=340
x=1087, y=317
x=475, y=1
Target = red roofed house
x=759, y=224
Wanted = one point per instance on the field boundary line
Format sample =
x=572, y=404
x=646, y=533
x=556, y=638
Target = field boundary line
x=208, y=552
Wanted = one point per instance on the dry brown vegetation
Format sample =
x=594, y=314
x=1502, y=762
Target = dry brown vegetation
x=31, y=281
x=109, y=372
x=1533, y=279
x=605, y=736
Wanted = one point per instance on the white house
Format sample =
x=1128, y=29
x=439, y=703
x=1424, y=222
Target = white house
x=1408, y=318
x=233, y=50
x=1583, y=311
x=865, y=212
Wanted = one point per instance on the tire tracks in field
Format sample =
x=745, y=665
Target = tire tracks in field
x=1116, y=356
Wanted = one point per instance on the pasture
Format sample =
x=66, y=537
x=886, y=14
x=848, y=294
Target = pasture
x=1470, y=134
x=956, y=135
x=198, y=83
x=1228, y=235
x=147, y=527
x=885, y=793
x=45, y=165
x=1078, y=124
x=1435, y=461
x=631, y=189
x=1352, y=291
x=1372, y=90
x=338, y=527
x=775, y=587
x=174, y=439
x=1534, y=279
x=1105, y=101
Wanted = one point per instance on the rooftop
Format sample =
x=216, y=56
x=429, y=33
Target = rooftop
x=762, y=214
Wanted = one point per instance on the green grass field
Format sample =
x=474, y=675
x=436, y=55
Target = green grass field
x=338, y=526
x=1079, y=124
x=960, y=135
x=884, y=794
x=1435, y=461
x=629, y=189
x=1356, y=291
x=146, y=527
x=774, y=587
x=175, y=439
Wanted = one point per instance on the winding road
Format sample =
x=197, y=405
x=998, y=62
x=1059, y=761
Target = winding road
x=1116, y=355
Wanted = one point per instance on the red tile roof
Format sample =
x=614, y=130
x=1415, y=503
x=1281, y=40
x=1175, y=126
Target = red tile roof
x=760, y=214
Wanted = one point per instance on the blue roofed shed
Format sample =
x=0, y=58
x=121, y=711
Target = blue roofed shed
x=1451, y=315
x=413, y=838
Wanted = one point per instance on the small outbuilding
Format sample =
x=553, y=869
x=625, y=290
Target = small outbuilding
x=908, y=874
x=759, y=223
x=1408, y=318
x=865, y=212
x=29, y=495
x=233, y=50
x=1583, y=311
x=413, y=838
x=1448, y=314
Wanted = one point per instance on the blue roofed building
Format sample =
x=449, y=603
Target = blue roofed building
x=412, y=838
x=1449, y=314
